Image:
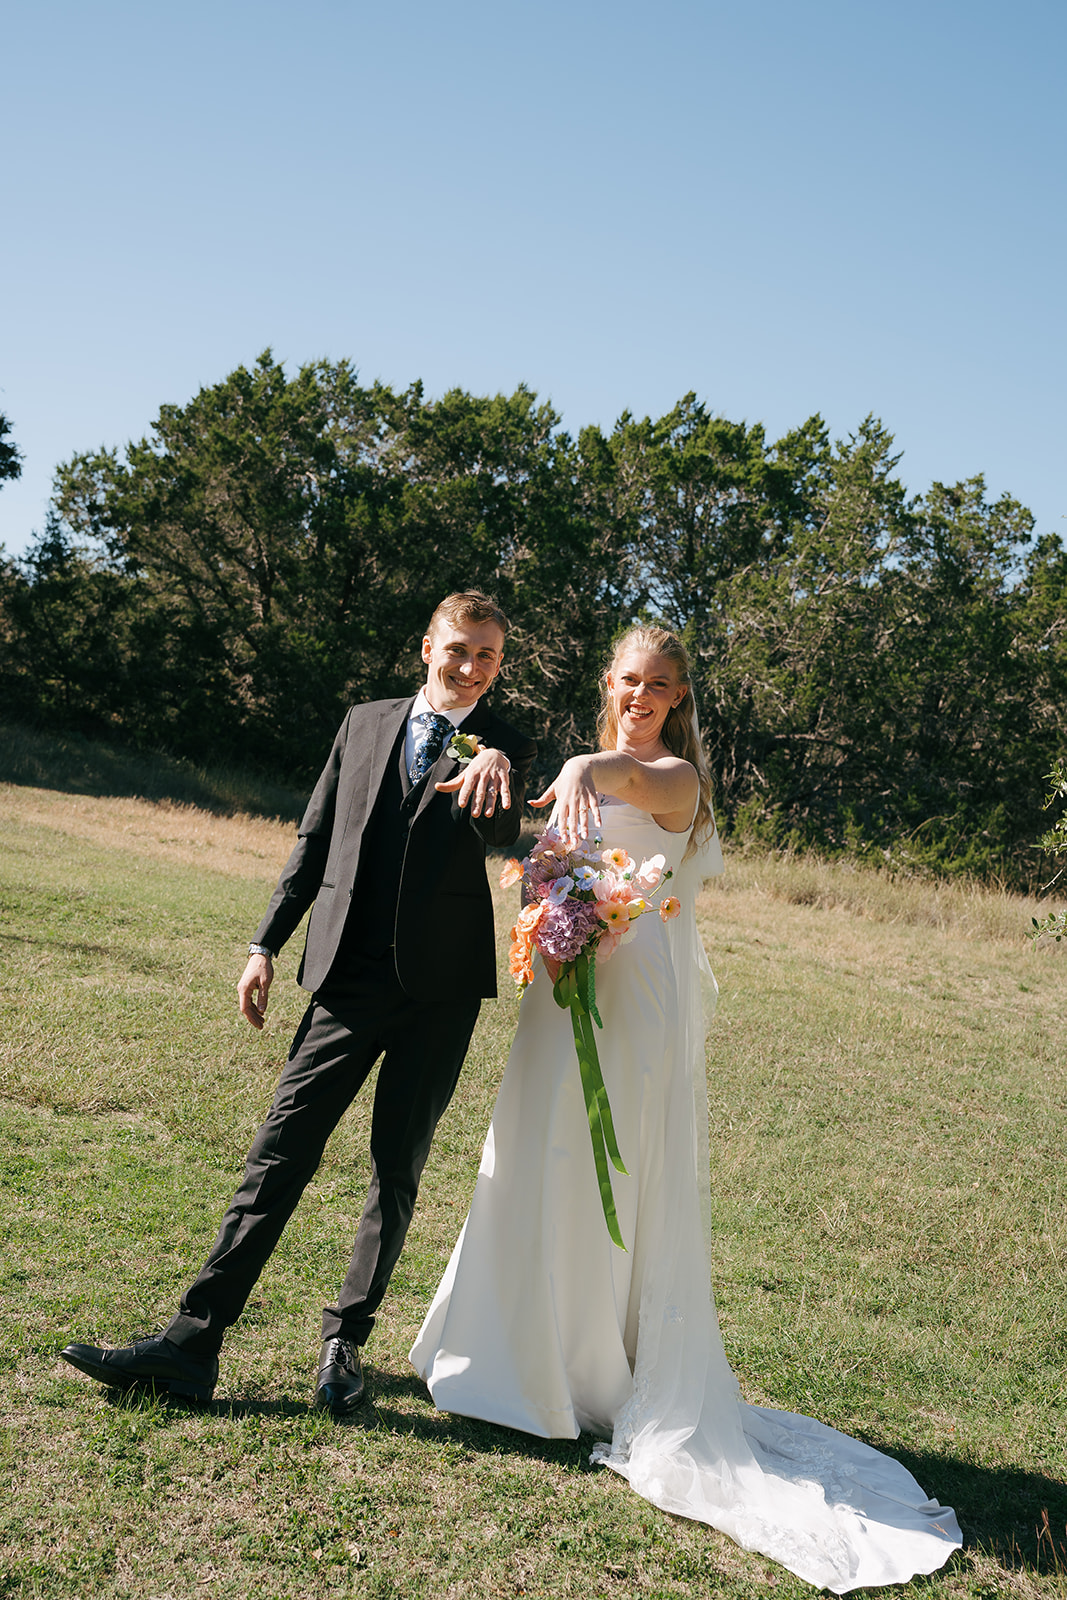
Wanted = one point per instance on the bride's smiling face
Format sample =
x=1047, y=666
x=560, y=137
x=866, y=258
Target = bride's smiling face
x=644, y=687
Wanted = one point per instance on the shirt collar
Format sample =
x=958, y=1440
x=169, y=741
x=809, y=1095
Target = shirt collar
x=423, y=708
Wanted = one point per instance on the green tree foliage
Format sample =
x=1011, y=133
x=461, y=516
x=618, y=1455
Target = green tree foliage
x=10, y=455
x=279, y=543
x=1054, y=840
x=803, y=636
x=967, y=729
x=875, y=674
x=230, y=525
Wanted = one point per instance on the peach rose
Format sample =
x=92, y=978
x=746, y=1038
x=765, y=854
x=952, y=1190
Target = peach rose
x=529, y=917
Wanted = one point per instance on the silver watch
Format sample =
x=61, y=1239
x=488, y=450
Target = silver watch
x=260, y=950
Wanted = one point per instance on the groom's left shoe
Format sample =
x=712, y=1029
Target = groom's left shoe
x=340, y=1382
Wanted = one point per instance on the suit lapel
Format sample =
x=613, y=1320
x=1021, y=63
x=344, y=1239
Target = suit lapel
x=391, y=718
x=402, y=765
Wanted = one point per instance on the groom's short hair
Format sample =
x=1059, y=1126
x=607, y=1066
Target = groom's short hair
x=470, y=606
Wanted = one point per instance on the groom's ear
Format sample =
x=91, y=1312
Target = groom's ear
x=427, y=647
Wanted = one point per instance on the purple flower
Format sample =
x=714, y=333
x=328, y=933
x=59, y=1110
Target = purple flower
x=549, y=862
x=564, y=929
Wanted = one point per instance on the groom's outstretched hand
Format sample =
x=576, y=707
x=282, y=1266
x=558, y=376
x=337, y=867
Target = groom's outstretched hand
x=253, y=987
x=483, y=783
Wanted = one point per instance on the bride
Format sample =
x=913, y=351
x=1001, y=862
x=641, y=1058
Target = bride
x=540, y=1322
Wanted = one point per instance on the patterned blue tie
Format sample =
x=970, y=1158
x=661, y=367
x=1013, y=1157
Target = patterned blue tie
x=429, y=742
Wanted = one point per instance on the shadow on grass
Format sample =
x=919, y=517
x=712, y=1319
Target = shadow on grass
x=76, y=946
x=1018, y=1518
x=484, y=1438
x=1014, y=1516
x=72, y=764
x=481, y=1438
x=146, y=964
x=168, y=1407
x=1002, y=1510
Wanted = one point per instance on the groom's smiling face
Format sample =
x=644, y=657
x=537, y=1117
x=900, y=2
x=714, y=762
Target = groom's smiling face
x=462, y=659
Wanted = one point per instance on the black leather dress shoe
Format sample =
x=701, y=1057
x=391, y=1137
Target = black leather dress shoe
x=150, y=1363
x=340, y=1380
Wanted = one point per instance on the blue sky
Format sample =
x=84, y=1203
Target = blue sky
x=787, y=207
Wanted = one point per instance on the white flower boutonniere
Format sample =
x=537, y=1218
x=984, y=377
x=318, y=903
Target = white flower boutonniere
x=463, y=747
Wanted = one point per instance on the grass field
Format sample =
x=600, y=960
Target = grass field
x=888, y=1102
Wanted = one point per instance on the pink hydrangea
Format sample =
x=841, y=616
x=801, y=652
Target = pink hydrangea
x=565, y=929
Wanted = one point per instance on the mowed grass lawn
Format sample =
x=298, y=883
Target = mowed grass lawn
x=888, y=1105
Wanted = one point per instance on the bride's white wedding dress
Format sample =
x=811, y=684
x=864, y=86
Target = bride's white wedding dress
x=541, y=1323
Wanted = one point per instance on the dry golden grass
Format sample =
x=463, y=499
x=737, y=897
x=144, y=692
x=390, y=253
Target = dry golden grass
x=971, y=909
x=162, y=830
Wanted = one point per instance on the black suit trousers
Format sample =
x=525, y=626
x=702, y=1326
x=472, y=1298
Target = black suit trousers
x=343, y=1032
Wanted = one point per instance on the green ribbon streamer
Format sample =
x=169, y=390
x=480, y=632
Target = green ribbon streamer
x=575, y=991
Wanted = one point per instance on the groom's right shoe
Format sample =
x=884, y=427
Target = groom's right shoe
x=339, y=1387
x=150, y=1363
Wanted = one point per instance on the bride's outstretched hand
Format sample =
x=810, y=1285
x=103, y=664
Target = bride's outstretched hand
x=577, y=807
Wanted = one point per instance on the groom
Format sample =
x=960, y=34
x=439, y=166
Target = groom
x=399, y=953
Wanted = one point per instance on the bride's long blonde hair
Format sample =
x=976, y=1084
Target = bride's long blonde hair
x=680, y=732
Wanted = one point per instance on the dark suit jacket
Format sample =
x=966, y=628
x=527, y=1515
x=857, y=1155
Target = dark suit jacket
x=444, y=942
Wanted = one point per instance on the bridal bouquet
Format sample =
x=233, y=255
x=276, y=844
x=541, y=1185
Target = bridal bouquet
x=581, y=904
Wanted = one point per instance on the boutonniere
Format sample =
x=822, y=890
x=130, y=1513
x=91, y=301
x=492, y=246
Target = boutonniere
x=463, y=747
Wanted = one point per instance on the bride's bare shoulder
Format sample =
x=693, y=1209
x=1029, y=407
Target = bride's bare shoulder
x=666, y=787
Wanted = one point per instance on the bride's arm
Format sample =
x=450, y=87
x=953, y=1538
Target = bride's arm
x=666, y=788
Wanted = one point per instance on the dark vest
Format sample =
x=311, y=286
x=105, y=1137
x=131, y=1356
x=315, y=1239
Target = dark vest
x=370, y=927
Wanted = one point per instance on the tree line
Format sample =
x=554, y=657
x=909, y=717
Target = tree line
x=875, y=673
